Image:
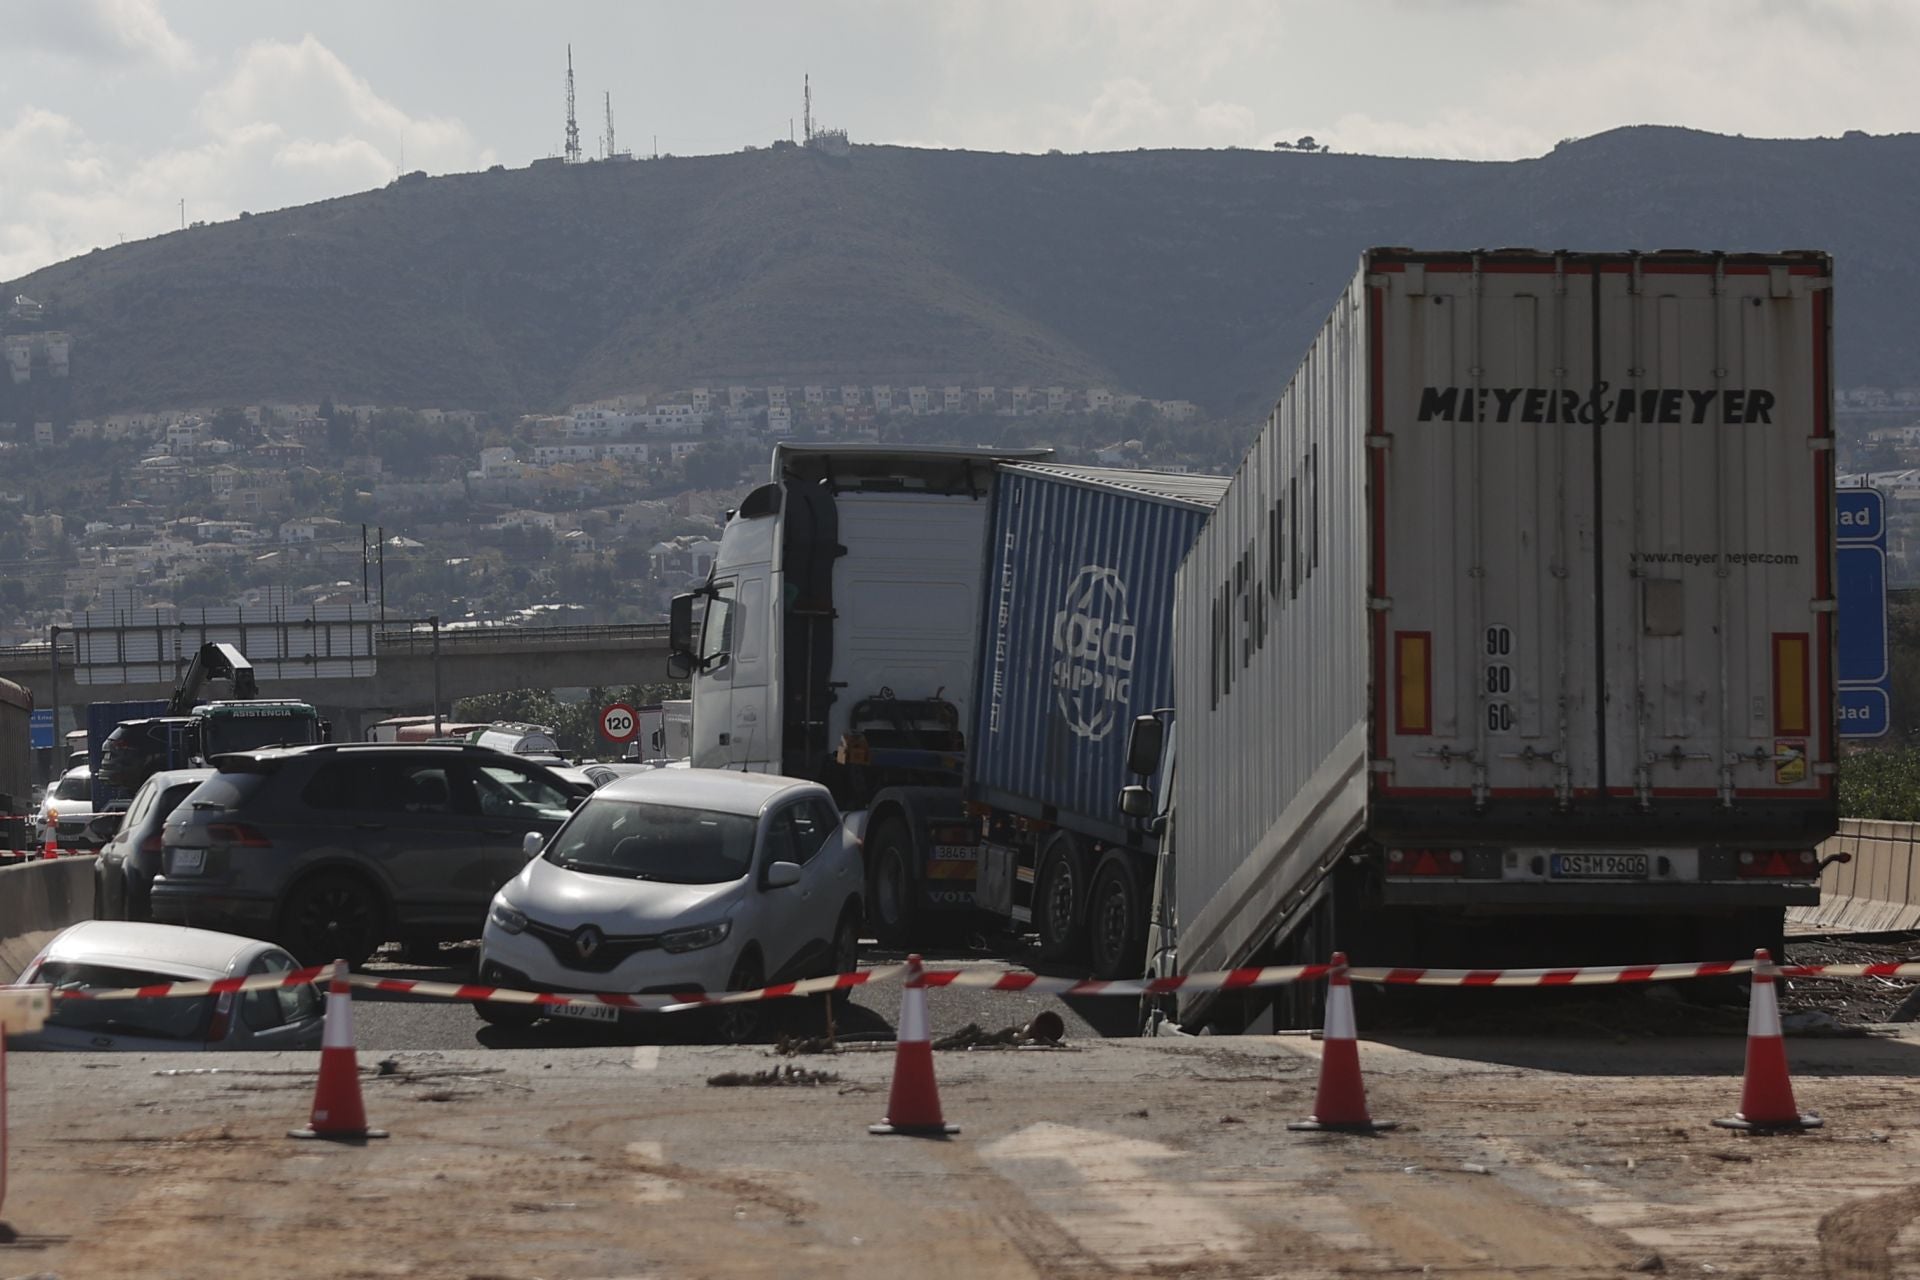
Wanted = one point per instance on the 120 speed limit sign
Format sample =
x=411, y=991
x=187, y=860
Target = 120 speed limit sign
x=619, y=723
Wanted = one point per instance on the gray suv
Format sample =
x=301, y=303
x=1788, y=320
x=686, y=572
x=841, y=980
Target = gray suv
x=331, y=850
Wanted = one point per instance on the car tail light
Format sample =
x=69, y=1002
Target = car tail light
x=238, y=834
x=151, y=845
x=1776, y=864
x=222, y=1018
x=1426, y=862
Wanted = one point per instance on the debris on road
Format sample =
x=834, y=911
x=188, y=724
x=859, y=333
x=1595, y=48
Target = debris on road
x=785, y=1074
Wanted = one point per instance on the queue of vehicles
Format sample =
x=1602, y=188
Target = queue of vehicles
x=1510, y=642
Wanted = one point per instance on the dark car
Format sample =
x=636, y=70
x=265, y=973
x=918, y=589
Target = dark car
x=332, y=850
x=130, y=854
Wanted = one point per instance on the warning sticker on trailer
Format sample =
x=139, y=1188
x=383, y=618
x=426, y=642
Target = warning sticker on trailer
x=1789, y=762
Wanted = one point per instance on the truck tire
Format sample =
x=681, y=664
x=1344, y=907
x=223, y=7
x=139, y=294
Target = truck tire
x=1060, y=899
x=1116, y=918
x=892, y=893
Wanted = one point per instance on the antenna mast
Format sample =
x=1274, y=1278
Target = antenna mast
x=806, y=93
x=573, y=125
x=610, y=150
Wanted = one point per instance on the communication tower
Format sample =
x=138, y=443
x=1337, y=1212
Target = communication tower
x=806, y=102
x=611, y=152
x=573, y=125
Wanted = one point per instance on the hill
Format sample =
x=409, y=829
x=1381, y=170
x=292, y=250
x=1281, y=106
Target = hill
x=1178, y=274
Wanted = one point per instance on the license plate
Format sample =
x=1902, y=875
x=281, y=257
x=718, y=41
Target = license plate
x=955, y=852
x=585, y=1011
x=1601, y=866
x=187, y=862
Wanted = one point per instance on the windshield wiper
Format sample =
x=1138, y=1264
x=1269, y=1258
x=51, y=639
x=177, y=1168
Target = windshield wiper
x=607, y=868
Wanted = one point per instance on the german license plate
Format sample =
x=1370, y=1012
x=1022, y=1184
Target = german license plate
x=1600, y=866
x=585, y=1011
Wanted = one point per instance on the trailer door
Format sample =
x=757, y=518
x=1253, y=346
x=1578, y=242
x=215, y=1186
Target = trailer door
x=1601, y=578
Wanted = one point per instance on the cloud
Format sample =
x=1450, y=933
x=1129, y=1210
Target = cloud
x=289, y=124
x=111, y=32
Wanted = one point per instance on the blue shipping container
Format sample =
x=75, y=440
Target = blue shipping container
x=1079, y=634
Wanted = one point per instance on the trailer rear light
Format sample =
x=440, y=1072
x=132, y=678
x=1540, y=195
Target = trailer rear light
x=1791, y=717
x=1775, y=864
x=1413, y=692
x=238, y=834
x=1426, y=862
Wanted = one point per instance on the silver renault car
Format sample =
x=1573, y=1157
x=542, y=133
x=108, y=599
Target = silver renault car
x=678, y=880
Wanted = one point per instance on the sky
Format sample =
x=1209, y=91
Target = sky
x=113, y=112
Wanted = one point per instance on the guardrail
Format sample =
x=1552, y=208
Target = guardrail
x=419, y=639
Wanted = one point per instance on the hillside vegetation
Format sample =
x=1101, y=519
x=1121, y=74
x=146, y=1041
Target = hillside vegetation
x=1176, y=274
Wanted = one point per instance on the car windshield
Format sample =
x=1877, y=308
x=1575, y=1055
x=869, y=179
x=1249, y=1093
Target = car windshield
x=73, y=789
x=655, y=842
x=174, y=1019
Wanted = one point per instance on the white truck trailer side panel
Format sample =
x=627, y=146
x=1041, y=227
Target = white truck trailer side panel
x=1270, y=681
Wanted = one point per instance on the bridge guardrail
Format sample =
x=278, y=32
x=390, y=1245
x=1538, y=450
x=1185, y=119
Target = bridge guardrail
x=420, y=639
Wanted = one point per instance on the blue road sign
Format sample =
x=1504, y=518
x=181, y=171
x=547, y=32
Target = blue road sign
x=40, y=727
x=1861, y=585
x=1864, y=713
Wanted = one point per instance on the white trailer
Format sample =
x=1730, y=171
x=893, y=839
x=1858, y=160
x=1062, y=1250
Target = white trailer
x=1512, y=639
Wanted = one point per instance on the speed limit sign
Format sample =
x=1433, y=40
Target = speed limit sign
x=618, y=723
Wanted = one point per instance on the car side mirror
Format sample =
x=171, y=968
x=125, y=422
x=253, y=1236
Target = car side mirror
x=781, y=875
x=680, y=625
x=1144, y=744
x=531, y=843
x=680, y=665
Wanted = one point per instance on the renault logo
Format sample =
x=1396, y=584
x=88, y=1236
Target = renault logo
x=587, y=940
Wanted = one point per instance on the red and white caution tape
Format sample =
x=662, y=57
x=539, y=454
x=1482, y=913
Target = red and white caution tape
x=1225, y=980
x=217, y=987
x=1894, y=970
x=1037, y=984
x=1593, y=976
x=656, y=1003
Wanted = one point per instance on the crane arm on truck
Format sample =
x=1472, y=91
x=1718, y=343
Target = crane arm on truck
x=214, y=661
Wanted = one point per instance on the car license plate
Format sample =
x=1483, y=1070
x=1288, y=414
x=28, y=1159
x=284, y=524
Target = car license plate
x=187, y=862
x=585, y=1011
x=1600, y=866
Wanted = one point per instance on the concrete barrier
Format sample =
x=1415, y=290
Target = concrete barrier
x=37, y=899
x=1877, y=892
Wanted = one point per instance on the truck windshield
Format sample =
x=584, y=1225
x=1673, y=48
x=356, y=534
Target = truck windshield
x=251, y=732
x=655, y=842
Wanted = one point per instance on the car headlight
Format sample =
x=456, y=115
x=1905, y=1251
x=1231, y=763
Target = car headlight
x=696, y=937
x=508, y=920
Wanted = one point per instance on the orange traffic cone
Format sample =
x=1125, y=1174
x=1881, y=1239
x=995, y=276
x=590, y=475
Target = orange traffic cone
x=1766, y=1096
x=50, y=845
x=913, y=1107
x=1340, y=1105
x=337, y=1110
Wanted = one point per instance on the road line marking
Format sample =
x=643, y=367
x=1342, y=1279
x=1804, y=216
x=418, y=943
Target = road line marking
x=646, y=1057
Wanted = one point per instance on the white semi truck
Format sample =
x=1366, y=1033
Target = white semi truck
x=955, y=642
x=1512, y=640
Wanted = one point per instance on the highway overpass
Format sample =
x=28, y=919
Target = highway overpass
x=410, y=670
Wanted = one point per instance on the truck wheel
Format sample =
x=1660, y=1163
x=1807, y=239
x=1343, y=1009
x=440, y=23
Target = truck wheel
x=1060, y=899
x=1115, y=937
x=891, y=893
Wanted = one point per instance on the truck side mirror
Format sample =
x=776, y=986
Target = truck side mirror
x=1138, y=802
x=1144, y=744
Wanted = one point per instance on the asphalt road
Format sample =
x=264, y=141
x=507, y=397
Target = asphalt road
x=386, y=1023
